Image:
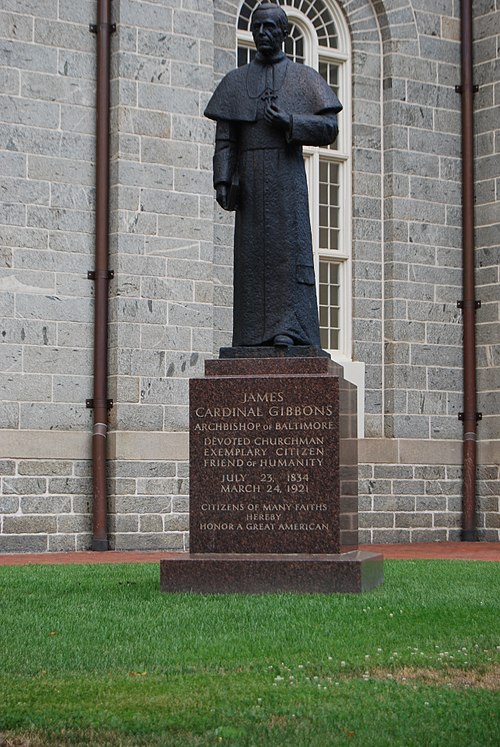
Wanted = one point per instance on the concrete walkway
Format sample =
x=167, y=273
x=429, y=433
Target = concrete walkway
x=417, y=551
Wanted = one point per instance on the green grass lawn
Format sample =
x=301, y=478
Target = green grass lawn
x=96, y=655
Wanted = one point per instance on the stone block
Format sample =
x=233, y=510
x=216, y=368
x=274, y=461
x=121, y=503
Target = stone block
x=429, y=535
x=72, y=524
x=62, y=543
x=83, y=540
x=38, y=87
x=57, y=360
x=9, y=504
x=447, y=519
x=149, y=541
x=151, y=523
x=24, y=485
x=77, y=119
x=431, y=503
x=167, y=46
x=196, y=77
x=390, y=536
x=7, y=467
x=27, y=56
x=143, y=504
x=153, y=16
x=409, y=426
x=13, y=214
x=81, y=504
x=196, y=130
x=9, y=415
x=419, y=520
x=373, y=520
x=47, y=416
x=394, y=503
x=23, y=387
x=446, y=427
x=42, y=505
x=59, y=219
x=164, y=391
x=13, y=164
x=443, y=487
x=39, y=524
x=430, y=472
x=65, y=170
x=197, y=25
x=176, y=523
x=71, y=388
x=139, y=311
x=70, y=485
x=82, y=468
x=23, y=543
x=190, y=315
x=61, y=34
x=124, y=523
x=26, y=191
x=180, y=503
x=145, y=469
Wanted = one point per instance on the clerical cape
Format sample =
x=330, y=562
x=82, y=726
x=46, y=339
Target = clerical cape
x=274, y=289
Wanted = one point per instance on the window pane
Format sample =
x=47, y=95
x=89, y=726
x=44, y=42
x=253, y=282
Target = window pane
x=294, y=44
x=329, y=208
x=334, y=339
x=330, y=72
x=329, y=303
x=245, y=55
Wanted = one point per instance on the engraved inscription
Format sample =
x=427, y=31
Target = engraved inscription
x=263, y=455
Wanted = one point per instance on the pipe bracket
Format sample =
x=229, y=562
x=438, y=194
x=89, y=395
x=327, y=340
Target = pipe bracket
x=106, y=274
x=478, y=416
x=460, y=89
x=95, y=27
x=107, y=403
x=468, y=304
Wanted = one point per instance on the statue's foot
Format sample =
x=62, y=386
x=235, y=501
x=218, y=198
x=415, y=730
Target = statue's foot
x=282, y=341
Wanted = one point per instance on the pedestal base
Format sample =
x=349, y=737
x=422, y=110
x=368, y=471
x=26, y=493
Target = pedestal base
x=230, y=573
x=266, y=351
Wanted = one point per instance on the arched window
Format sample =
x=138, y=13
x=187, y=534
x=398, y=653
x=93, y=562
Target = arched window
x=319, y=38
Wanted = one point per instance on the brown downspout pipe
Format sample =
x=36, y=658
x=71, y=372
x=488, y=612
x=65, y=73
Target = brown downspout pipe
x=101, y=276
x=468, y=303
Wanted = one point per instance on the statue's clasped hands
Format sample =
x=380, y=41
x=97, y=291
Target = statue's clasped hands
x=276, y=117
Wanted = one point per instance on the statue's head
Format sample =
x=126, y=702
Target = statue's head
x=269, y=26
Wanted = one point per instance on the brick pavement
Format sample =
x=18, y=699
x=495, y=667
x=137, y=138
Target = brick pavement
x=486, y=551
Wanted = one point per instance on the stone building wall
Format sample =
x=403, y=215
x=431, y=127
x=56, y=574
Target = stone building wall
x=47, y=118
x=170, y=300
x=162, y=253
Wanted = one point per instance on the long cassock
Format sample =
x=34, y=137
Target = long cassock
x=274, y=289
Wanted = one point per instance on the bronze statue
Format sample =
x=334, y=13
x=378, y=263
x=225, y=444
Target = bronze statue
x=265, y=112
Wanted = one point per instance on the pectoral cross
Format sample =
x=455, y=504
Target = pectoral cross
x=269, y=96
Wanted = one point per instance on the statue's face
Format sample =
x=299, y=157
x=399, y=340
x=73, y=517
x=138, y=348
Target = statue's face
x=267, y=33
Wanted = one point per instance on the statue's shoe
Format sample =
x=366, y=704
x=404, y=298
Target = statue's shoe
x=282, y=341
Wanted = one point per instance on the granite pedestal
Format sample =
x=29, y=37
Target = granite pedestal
x=273, y=479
